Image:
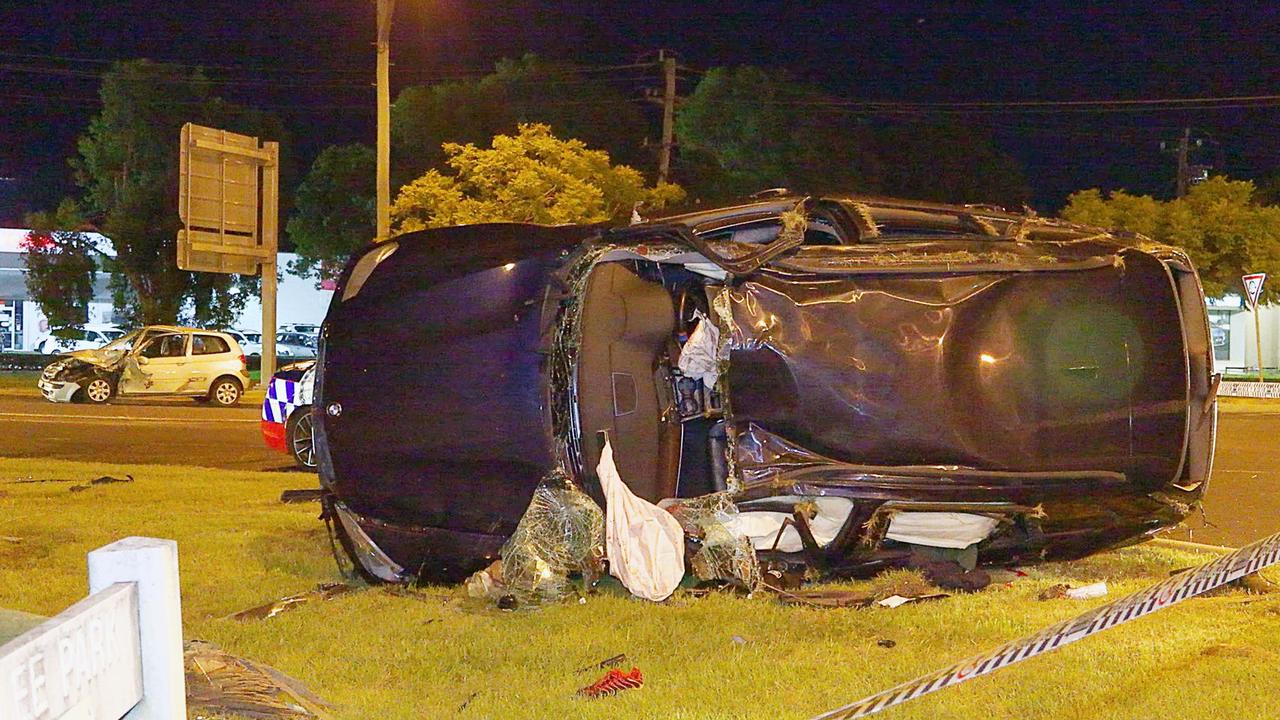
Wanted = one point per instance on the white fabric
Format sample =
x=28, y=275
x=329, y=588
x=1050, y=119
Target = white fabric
x=644, y=543
x=940, y=529
x=698, y=356
x=761, y=526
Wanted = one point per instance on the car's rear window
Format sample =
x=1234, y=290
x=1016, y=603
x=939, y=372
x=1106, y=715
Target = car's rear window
x=208, y=345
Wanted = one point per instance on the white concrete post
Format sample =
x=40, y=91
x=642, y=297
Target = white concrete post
x=153, y=565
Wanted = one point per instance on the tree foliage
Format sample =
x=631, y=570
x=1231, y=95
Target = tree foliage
x=128, y=168
x=61, y=267
x=527, y=90
x=334, y=209
x=745, y=129
x=1218, y=222
x=531, y=176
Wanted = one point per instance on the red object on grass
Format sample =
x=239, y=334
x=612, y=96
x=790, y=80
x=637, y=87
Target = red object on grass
x=614, y=682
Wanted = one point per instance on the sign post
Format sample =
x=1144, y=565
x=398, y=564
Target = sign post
x=228, y=198
x=1253, y=291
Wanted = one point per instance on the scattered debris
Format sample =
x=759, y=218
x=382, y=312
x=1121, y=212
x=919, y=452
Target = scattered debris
x=485, y=583
x=1084, y=592
x=301, y=496
x=886, y=643
x=853, y=598
x=613, y=682
x=738, y=640
x=101, y=480
x=1054, y=592
x=608, y=662
x=894, y=601
x=1095, y=590
x=324, y=591
x=221, y=684
x=467, y=702
x=508, y=602
x=10, y=539
x=949, y=574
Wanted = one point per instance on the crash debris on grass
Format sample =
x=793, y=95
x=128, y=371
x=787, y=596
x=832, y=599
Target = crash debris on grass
x=101, y=480
x=614, y=682
x=220, y=684
x=323, y=591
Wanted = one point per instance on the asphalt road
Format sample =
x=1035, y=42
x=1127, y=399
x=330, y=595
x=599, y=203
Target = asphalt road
x=1242, y=503
x=174, y=431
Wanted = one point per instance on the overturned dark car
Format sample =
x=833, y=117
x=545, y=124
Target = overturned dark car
x=858, y=360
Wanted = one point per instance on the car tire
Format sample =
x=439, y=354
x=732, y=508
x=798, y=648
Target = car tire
x=225, y=391
x=98, y=391
x=299, y=438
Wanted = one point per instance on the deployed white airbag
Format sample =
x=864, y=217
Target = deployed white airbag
x=698, y=357
x=644, y=543
x=940, y=529
x=762, y=526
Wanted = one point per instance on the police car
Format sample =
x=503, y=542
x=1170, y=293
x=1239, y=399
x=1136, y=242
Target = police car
x=286, y=413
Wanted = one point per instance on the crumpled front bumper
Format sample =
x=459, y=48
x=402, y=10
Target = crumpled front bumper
x=57, y=390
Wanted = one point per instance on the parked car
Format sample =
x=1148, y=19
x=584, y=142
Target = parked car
x=296, y=344
x=250, y=342
x=156, y=360
x=304, y=328
x=286, y=413
x=91, y=336
x=838, y=366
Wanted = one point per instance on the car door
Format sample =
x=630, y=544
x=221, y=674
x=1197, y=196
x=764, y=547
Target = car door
x=211, y=356
x=163, y=364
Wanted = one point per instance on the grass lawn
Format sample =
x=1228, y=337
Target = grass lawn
x=375, y=654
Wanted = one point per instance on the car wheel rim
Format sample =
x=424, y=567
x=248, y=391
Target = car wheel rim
x=303, y=444
x=98, y=390
x=226, y=393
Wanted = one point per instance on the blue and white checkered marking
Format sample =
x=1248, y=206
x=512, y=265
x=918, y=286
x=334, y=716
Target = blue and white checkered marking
x=282, y=399
x=284, y=396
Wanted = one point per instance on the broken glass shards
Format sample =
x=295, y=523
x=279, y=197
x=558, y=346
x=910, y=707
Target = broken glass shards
x=721, y=554
x=561, y=533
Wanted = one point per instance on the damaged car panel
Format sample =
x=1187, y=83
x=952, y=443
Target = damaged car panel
x=849, y=361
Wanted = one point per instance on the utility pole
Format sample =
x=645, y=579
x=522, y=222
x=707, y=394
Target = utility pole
x=668, y=114
x=1184, y=146
x=385, y=10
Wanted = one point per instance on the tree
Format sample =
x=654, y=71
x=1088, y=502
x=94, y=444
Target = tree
x=533, y=177
x=528, y=90
x=745, y=129
x=333, y=209
x=1218, y=222
x=946, y=162
x=128, y=168
x=61, y=267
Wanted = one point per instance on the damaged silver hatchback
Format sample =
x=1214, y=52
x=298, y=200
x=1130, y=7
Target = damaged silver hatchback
x=156, y=360
x=857, y=376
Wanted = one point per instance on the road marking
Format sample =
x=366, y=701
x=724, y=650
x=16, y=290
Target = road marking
x=50, y=417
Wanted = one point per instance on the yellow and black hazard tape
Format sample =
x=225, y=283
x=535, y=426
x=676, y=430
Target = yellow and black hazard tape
x=1242, y=562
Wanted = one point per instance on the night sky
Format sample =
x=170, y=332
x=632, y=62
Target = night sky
x=311, y=62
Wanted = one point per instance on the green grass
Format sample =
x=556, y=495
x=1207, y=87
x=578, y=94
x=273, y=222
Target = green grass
x=19, y=379
x=374, y=654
